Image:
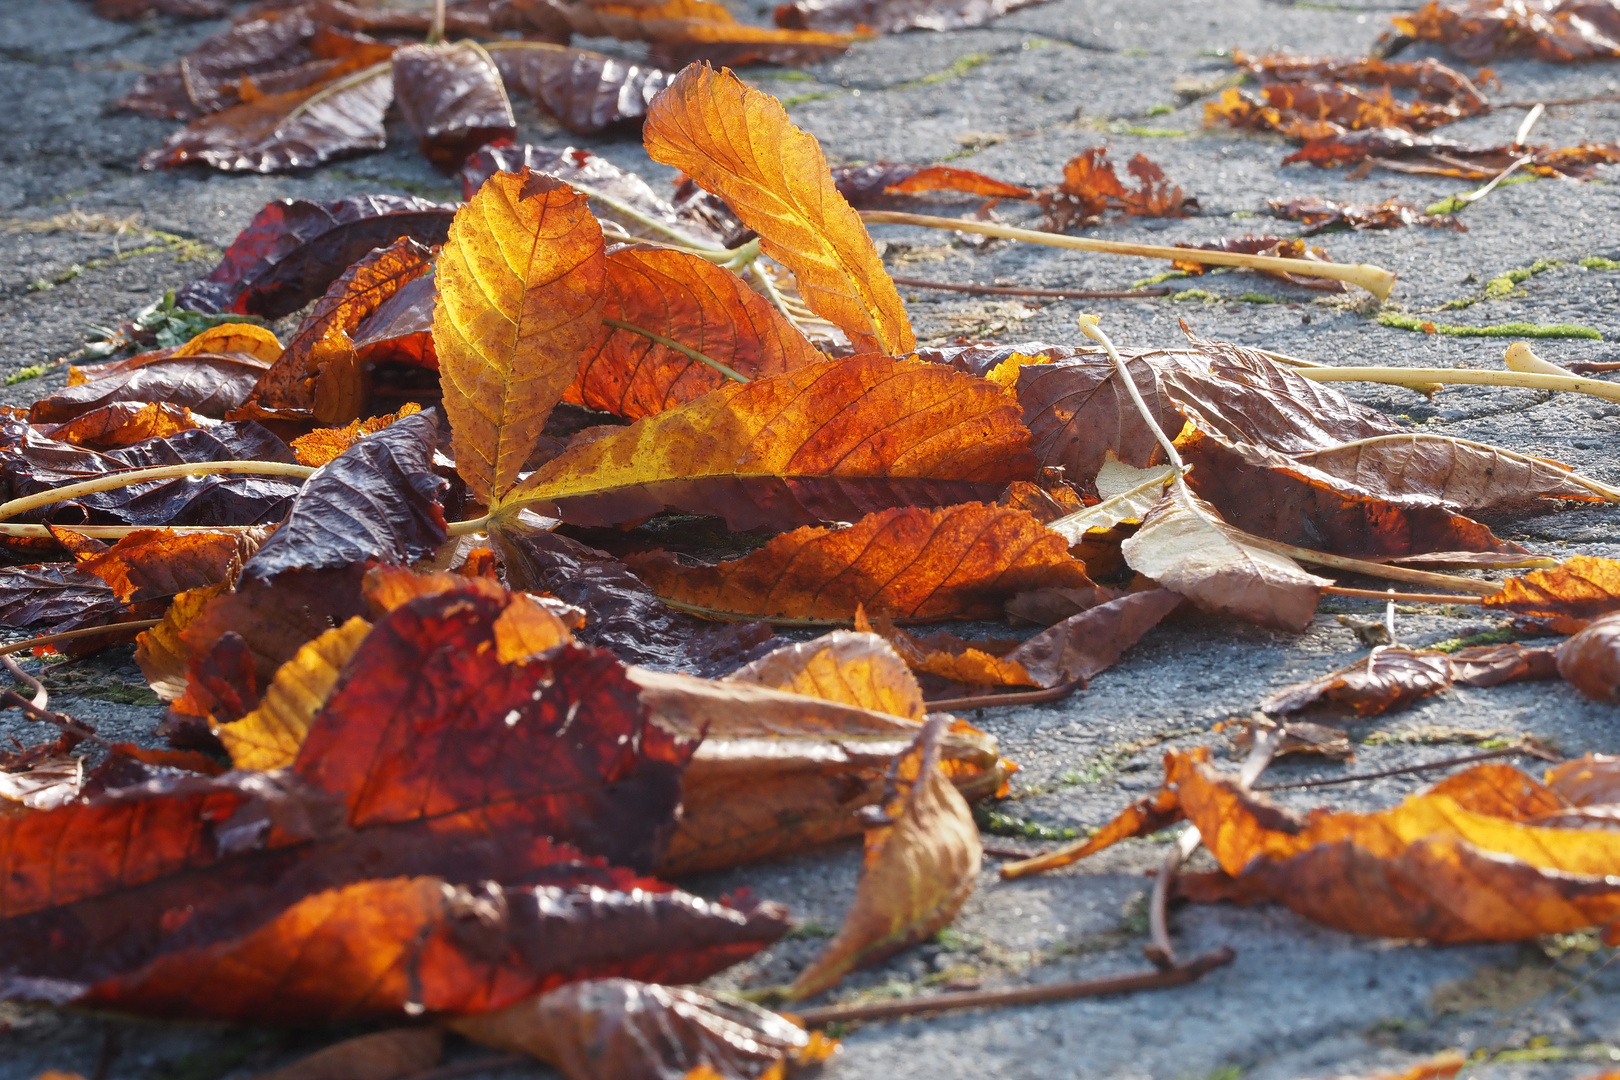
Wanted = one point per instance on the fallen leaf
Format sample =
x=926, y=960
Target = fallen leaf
x=853, y=668
x=400, y=331
x=1318, y=214
x=319, y=376
x=1557, y=31
x=1389, y=678
x=45, y=784
x=717, y=131
x=688, y=31
x=586, y=91
x=862, y=184
x=325, y=444
x=210, y=385
x=1185, y=546
x=689, y=300
x=922, y=861
x=294, y=249
x=1491, y=665
x=123, y=423
x=383, y=1055
x=520, y=297
x=452, y=96
x=54, y=593
x=1590, y=661
x=1590, y=780
x=831, y=440
x=977, y=663
x=1581, y=587
x=1275, y=246
x=1085, y=645
x=618, y=1029
x=960, y=562
x=298, y=129
x=1091, y=186
x=1467, y=477
x=893, y=16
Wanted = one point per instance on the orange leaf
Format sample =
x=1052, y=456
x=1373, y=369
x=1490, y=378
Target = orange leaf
x=921, y=865
x=520, y=297
x=1590, y=660
x=856, y=669
x=962, y=562
x=324, y=444
x=978, y=663
x=829, y=441
x=123, y=423
x=739, y=144
x=1582, y=587
x=690, y=300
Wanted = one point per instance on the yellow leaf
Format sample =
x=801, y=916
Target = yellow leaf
x=738, y=143
x=255, y=341
x=520, y=298
x=269, y=736
x=855, y=669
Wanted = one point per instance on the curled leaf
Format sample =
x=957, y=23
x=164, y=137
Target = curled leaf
x=1389, y=678
x=453, y=98
x=1581, y=587
x=1590, y=661
x=1085, y=645
x=586, y=91
x=853, y=668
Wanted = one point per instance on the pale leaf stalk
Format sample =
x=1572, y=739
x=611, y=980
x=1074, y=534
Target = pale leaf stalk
x=112, y=481
x=114, y=532
x=1089, y=327
x=336, y=88
x=1374, y=279
x=1574, y=384
x=685, y=350
x=435, y=32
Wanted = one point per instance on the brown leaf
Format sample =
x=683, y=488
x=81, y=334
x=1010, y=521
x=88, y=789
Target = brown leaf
x=45, y=784
x=1491, y=665
x=1560, y=31
x=1267, y=494
x=1085, y=645
x=779, y=772
x=1090, y=186
x=862, y=184
x=319, y=376
x=1318, y=214
x=739, y=144
x=520, y=297
x=687, y=31
x=978, y=663
x=1581, y=587
x=585, y=91
x=1464, y=476
x=298, y=129
x=1185, y=546
x=1390, y=678
x=960, y=562
x=453, y=98
x=893, y=16
x=831, y=440
x=853, y=668
x=687, y=299
x=1590, y=661
x=384, y=1055
x=123, y=423
x=400, y=331
x=212, y=385
x=922, y=861
x=617, y=1029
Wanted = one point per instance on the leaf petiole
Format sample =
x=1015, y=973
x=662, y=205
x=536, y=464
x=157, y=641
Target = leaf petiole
x=671, y=343
x=116, y=480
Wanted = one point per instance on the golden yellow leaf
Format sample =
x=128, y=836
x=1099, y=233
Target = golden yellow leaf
x=269, y=736
x=163, y=658
x=520, y=298
x=738, y=143
x=854, y=668
x=255, y=341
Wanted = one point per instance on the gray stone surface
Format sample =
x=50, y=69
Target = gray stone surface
x=1015, y=99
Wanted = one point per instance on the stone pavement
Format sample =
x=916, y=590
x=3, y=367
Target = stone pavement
x=1016, y=100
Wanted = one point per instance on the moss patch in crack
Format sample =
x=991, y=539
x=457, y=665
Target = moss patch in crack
x=996, y=823
x=1598, y=262
x=962, y=66
x=1398, y=321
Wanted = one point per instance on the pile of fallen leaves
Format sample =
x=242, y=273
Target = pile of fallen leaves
x=462, y=597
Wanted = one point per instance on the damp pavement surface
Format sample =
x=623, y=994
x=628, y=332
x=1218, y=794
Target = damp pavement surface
x=1015, y=99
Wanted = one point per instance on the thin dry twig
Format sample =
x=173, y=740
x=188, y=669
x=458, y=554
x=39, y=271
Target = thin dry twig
x=69, y=635
x=1008, y=290
x=1403, y=598
x=991, y=701
x=1527, y=749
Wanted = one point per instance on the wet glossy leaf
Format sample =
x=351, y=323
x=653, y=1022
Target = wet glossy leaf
x=294, y=249
x=1559, y=31
x=828, y=441
x=520, y=297
x=617, y=1029
x=53, y=593
x=857, y=669
x=30, y=463
x=1390, y=678
x=961, y=562
x=862, y=184
x=319, y=376
x=586, y=91
x=122, y=423
x=453, y=98
x=298, y=129
x=1085, y=645
x=1465, y=476
x=210, y=385
x=1590, y=661
x=716, y=130
x=383, y=1055
x=922, y=861
x=1270, y=495
x=689, y=300
x=1581, y=587
x=400, y=331
x=1318, y=214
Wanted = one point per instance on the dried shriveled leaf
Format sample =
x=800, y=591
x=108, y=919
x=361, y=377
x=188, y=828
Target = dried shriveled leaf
x=31, y=463
x=1267, y=494
x=1491, y=665
x=453, y=98
x=978, y=663
x=298, y=129
x=1185, y=546
x=1559, y=31
x=1465, y=476
x=779, y=772
x=1318, y=214
x=1276, y=246
x=123, y=423
x=1091, y=186
x=210, y=385
x=739, y=144
x=382, y=1055
x=922, y=860
x=689, y=31
x=1582, y=587
x=618, y=1029
x=269, y=736
x=1390, y=678
x=294, y=249
x=325, y=444
x=45, y=784
x=53, y=593
x=585, y=91
x=827, y=441
x=862, y=184
x=1085, y=645
x=910, y=564
x=852, y=668
x=520, y=298
x=1590, y=661
x=162, y=656
x=686, y=299
x=319, y=376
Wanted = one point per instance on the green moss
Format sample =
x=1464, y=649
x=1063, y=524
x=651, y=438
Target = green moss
x=996, y=823
x=1258, y=298
x=800, y=99
x=1499, y=288
x=33, y=371
x=1598, y=262
x=1160, y=110
x=1195, y=294
x=807, y=930
x=1398, y=321
x=1451, y=204
x=1168, y=275
x=1125, y=127
x=963, y=66
x=1500, y=636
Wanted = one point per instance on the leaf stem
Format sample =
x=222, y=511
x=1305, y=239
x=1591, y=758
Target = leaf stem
x=1465, y=759
x=1089, y=327
x=990, y=701
x=1060, y=294
x=468, y=527
x=1403, y=598
x=69, y=635
x=671, y=343
x=328, y=91
x=1574, y=384
x=114, y=532
x=1375, y=279
x=1379, y=570
x=115, y=480
x=435, y=32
